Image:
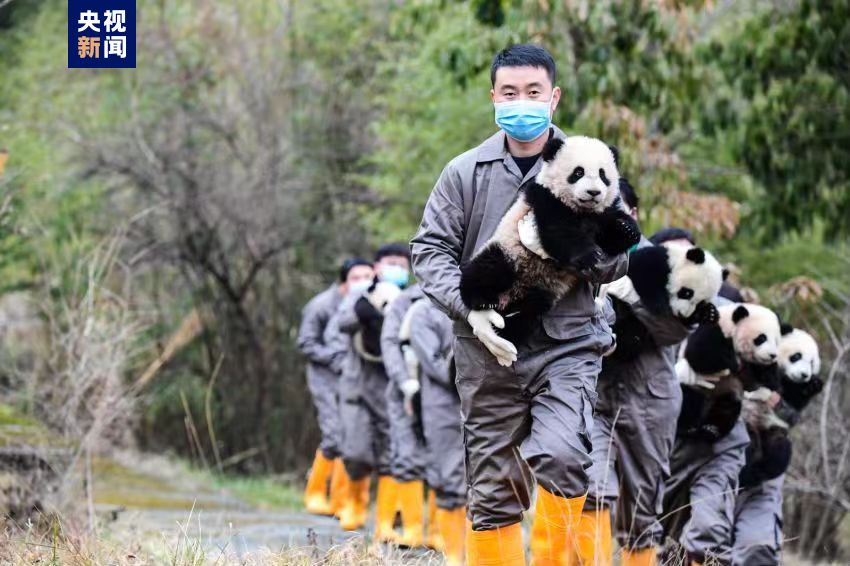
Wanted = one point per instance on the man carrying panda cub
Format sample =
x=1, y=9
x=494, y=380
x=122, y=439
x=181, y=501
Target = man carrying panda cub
x=525, y=403
x=666, y=292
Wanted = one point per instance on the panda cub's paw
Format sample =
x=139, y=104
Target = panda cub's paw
x=629, y=230
x=704, y=313
x=589, y=259
x=708, y=433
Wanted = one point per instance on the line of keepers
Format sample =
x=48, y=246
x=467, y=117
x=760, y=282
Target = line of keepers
x=550, y=354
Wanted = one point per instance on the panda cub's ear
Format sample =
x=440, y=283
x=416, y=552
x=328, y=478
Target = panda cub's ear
x=785, y=329
x=726, y=273
x=550, y=150
x=696, y=255
x=616, y=153
x=740, y=314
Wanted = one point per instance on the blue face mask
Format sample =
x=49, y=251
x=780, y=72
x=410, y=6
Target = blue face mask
x=395, y=274
x=358, y=287
x=523, y=120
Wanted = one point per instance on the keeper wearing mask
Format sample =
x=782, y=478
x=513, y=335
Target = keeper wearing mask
x=527, y=408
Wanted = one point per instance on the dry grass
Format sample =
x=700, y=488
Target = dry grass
x=60, y=543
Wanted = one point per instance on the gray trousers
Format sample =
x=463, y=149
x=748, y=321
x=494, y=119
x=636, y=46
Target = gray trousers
x=757, y=533
x=322, y=383
x=364, y=422
x=633, y=435
x=444, y=435
x=408, y=455
x=699, y=500
x=536, y=414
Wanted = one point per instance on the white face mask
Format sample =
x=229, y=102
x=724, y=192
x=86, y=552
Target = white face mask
x=358, y=287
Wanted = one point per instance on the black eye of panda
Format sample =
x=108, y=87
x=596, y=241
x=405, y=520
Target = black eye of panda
x=685, y=293
x=796, y=357
x=604, y=178
x=577, y=174
x=760, y=339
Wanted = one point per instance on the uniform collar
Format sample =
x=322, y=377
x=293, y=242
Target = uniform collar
x=494, y=148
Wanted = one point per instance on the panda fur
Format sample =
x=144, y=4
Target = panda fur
x=742, y=347
x=799, y=365
x=370, y=310
x=576, y=204
x=675, y=281
x=769, y=452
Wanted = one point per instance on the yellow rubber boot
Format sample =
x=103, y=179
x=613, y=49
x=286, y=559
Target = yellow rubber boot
x=642, y=557
x=316, y=493
x=497, y=547
x=354, y=513
x=411, y=497
x=453, y=529
x=433, y=538
x=339, y=487
x=386, y=503
x=593, y=542
x=556, y=520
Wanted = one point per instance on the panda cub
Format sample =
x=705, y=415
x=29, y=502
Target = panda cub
x=739, y=353
x=770, y=449
x=575, y=203
x=370, y=310
x=799, y=365
x=673, y=280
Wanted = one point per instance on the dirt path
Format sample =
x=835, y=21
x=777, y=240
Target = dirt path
x=150, y=499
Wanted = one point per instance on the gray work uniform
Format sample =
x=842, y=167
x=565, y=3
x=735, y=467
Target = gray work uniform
x=539, y=410
x=757, y=536
x=363, y=402
x=322, y=380
x=633, y=434
x=432, y=341
x=699, y=499
x=407, y=451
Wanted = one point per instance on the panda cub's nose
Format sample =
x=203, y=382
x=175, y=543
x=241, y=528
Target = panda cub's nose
x=594, y=192
x=772, y=356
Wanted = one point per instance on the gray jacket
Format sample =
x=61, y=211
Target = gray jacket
x=471, y=196
x=390, y=344
x=314, y=322
x=432, y=342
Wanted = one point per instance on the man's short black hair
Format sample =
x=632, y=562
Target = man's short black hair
x=349, y=264
x=523, y=55
x=628, y=194
x=395, y=249
x=667, y=234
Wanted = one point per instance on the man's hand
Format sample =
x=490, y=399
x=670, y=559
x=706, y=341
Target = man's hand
x=623, y=289
x=409, y=388
x=528, y=235
x=687, y=376
x=483, y=323
x=411, y=361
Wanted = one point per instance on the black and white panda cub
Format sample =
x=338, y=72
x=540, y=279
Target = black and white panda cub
x=575, y=202
x=370, y=309
x=799, y=365
x=720, y=362
x=672, y=280
x=770, y=449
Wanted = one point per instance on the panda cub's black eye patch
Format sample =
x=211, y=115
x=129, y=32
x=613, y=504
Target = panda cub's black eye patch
x=604, y=178
x=760, y=339
x=796, y=357
x=685, y=293
x=577, y=174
